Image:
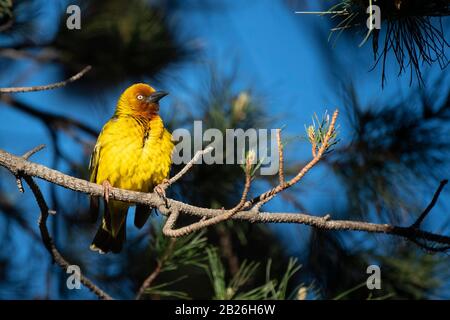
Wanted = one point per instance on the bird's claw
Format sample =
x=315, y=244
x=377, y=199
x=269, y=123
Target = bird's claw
x=106, y=190
x=160, y=190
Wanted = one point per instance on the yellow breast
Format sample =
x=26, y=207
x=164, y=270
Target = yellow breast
x=133, y=154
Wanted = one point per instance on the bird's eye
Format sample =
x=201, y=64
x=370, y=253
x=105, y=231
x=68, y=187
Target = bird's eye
x=140, y=97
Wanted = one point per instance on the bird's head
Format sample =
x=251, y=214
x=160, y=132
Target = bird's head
x=141, y=100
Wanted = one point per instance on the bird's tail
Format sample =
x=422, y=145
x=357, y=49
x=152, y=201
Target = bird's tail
x=141, y=215
x=111, y=233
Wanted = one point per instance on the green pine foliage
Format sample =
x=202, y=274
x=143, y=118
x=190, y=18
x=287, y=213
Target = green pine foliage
x=6, y=11
x=238, y=286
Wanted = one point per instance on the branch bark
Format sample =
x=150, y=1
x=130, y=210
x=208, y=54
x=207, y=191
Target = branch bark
x=48, y=241
x=27, y=168
x=45, y=235
x=317, y=156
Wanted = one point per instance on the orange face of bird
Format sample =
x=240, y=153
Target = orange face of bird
x=142, y=100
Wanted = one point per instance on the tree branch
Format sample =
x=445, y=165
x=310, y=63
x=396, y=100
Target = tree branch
x=280, y=158
x=326, y=141
x=26, y=156
x=48, y=86
x=189, y=165
x=427, y=210
x=203, y=223
x=48, y=241
x=17, y=164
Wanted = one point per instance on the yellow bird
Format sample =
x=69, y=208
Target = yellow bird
x=133, y=152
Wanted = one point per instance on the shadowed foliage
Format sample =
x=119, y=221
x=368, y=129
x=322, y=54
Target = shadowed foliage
x=126, y=39
x=392, y=146
x=412, y=31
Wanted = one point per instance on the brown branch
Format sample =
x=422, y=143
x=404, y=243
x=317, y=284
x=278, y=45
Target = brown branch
x=45, y=235
x=280, y=158
x=48, y=241
x=248, y=182
x=159, y=265
x=48, y=86
x=161, y=188
x=188, y=166
x=17, y=164
x=49, y=119
x=204, y=223
x=26, y=156
x=269, y=195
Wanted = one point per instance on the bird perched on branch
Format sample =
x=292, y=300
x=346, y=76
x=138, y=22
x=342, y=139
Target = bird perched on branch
x=133, y=152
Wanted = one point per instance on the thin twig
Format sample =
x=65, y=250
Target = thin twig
x=48, y=241
x=280, y=158
x=430, y=206
x=247, y=184
x=340, y=12
x=48, y=86
x=268, y=195
x=313, y=149
x=28, y=154
x=45, y=235
x=204, y=223
x=188, y=166
x=161, y=188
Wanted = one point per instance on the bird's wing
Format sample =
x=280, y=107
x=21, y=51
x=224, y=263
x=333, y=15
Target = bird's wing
x=109, y=127
x=141, y=215
x=93, y=162
x=93, y=168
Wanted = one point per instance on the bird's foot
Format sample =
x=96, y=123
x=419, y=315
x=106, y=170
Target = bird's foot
x=160, y=190
x=106, y=190
x=165, y=184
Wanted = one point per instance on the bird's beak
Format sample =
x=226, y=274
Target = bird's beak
x=156, y=96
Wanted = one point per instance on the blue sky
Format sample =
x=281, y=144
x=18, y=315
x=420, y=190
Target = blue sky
x=275, y=50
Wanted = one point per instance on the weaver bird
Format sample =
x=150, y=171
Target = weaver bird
x=133, y=152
